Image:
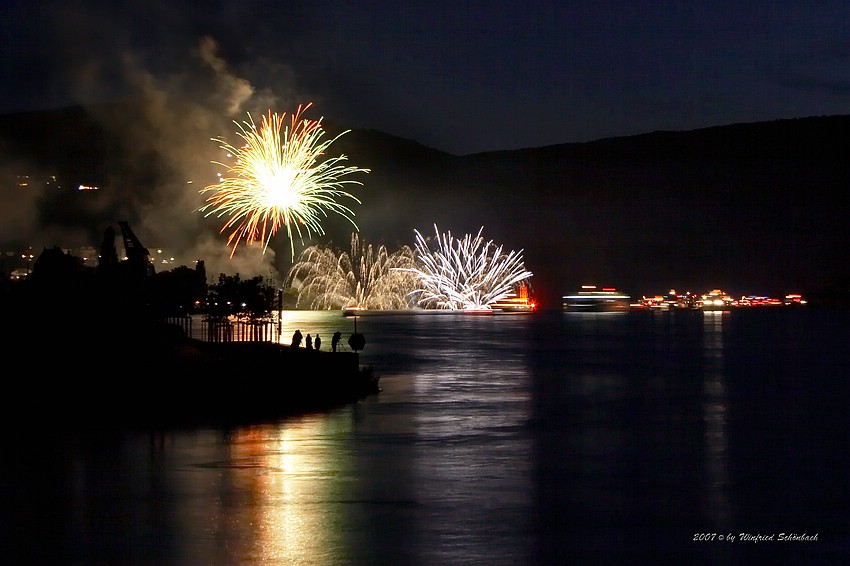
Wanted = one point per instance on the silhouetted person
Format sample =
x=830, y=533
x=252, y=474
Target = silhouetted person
x=296, y=339
x=309, y=342
x=318, y=342
x=335, y=340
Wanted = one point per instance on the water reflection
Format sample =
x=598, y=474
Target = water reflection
x=715, y=419
x=468, y=443
x=265, y=494
x=549, y=439
x=435, y=469
x=289, y=466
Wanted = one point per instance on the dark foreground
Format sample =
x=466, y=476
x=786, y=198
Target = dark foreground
x=634, y=438
x=150, y=375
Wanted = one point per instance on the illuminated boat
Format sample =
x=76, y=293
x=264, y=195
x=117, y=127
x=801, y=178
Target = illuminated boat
x=654, y=302
x=682, y=301
x=351, y=310
x=593, y=300
x=478, y=310
x=756, y=301
x=515, y=302
x=794, y=299
x=715, y=300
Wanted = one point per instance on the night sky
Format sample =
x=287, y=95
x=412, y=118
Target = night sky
x=461, y=77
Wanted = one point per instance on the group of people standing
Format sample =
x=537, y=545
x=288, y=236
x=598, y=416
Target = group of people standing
x=310, y=343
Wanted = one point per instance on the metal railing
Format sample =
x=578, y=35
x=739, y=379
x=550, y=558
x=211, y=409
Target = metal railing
x=217, y=330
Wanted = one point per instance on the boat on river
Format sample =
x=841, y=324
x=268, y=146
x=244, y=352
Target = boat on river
x=592, y=299
x=518, y=301
x=352, y=310
x=715, y=300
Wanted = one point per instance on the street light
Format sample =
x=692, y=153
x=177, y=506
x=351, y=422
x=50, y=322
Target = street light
x=28, y=256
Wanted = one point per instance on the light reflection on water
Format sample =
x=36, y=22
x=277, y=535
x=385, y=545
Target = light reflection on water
x=715, y=409
x=543, y=439
x=296, y=480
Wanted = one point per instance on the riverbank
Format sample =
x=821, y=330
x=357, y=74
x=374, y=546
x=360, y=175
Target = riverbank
x=151, y=376
x=246, y=381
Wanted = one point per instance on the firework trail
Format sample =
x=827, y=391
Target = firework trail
x=371, y=278
x=465, y=274
x=277, y=179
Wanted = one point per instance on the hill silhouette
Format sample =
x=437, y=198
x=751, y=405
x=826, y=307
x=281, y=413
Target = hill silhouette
x=750, y=208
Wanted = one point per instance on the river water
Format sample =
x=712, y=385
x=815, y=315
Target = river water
x=552, y=438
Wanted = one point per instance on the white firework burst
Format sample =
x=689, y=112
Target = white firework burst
x=469, y=273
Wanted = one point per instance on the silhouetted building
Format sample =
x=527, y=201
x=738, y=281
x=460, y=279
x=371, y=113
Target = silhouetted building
x=108, y=255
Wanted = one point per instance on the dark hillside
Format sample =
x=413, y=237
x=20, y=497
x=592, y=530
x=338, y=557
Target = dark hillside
x=751, y=208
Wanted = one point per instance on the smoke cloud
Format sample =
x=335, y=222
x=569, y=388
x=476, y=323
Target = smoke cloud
x=184, y=94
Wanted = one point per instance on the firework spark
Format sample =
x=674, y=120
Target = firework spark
x=371, y=278
x=277, y=180
x=465, y=274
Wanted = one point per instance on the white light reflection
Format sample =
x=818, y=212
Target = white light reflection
x=715, y=419
x=471, y=461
